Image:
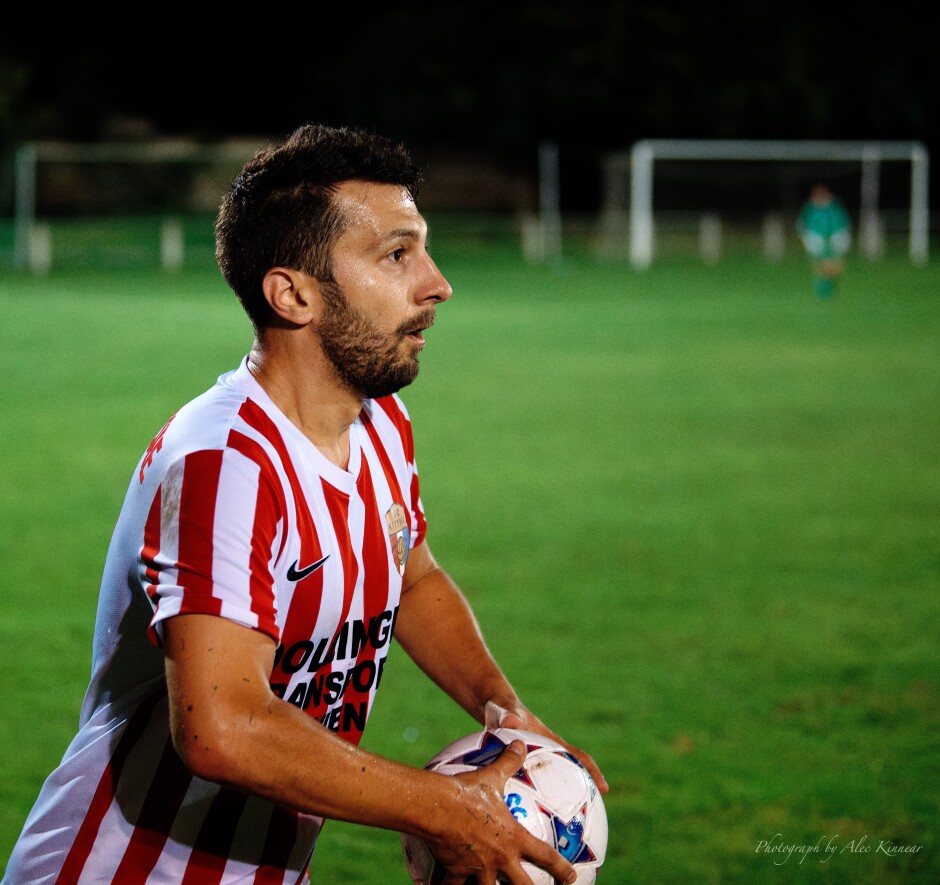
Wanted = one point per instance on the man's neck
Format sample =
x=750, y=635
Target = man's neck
x=304, y=385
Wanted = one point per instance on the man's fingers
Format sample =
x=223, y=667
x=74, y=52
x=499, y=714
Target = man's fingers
x=588, y=762
x=533, y=849
x=521, y=844
x=495, y=716
x=460, y=878
x=543, y=855
x=515, y=874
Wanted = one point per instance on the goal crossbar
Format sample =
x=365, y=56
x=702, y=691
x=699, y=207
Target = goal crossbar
x=869, y=153
x=30, y=155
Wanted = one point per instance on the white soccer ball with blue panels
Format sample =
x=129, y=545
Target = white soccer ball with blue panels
x=552, y=796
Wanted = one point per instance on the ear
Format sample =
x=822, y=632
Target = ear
x=291, y=294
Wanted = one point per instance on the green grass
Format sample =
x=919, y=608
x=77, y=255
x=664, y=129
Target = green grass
x=695, y=509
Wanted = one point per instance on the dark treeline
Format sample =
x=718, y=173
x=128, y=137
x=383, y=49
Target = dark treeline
x=491, y=78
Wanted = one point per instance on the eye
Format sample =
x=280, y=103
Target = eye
x=397, y=254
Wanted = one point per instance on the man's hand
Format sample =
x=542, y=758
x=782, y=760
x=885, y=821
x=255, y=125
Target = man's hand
x=438, y=630
x=496, y=716
x=484, y=839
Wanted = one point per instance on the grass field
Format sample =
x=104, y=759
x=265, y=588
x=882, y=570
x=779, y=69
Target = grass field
x=695, y=508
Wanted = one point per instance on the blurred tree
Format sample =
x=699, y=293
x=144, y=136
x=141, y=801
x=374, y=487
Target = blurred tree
x=490, y=76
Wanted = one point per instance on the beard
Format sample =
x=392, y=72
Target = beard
x=370, y=363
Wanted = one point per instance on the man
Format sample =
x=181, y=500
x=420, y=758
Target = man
x=826, y=233
x=271, y=540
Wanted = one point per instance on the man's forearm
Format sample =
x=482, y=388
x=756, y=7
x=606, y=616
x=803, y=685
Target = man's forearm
x=438, y=630
x=229, y=727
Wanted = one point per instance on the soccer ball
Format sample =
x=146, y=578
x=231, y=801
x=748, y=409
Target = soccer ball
x=552, y=796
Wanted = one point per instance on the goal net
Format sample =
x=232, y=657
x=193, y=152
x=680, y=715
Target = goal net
x=120, y=203
x=678, y=194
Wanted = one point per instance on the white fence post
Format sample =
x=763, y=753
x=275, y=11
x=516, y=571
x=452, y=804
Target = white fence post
x=172, y=249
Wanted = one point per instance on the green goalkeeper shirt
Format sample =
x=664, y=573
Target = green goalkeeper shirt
x=824, y=228
x=823, y=220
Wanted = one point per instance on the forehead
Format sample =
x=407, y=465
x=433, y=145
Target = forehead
x=373, y=211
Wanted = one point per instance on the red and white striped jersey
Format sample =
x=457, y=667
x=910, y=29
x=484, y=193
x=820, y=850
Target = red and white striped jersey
x=232, y=511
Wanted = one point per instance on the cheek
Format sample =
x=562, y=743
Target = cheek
x=374, y=292
x=362, y=282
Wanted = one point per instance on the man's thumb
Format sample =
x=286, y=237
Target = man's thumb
x=511, y=759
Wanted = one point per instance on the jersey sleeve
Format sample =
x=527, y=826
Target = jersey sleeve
x=419, y=525
x=211, y=536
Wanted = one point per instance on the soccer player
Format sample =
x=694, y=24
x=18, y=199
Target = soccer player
x=271, y=542
x=826, y=232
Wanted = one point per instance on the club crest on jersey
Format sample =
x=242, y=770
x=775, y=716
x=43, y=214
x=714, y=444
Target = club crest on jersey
x=399, y=535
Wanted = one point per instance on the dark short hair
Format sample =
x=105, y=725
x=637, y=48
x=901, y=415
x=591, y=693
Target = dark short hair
x=280, y=212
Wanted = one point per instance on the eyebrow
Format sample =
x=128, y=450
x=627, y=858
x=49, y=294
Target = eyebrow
x=408, y=233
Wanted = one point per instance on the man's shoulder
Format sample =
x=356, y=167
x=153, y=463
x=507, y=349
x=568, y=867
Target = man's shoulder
x=387, y=419
x=388, y=408
x=204, y=423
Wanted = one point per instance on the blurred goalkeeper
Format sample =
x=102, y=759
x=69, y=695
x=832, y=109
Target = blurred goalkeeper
x=271, y=543
x=826, y=232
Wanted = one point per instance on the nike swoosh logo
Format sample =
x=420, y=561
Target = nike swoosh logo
x=298, y=574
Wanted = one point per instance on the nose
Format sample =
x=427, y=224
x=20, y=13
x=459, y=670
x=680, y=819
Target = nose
x=434, y=287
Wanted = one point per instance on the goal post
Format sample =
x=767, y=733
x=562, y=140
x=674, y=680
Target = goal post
x=542, y=230
x=32, y=240
x=639, y=165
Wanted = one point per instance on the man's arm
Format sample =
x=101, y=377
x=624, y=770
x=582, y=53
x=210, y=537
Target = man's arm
x=439, y=631
x=229, y=727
